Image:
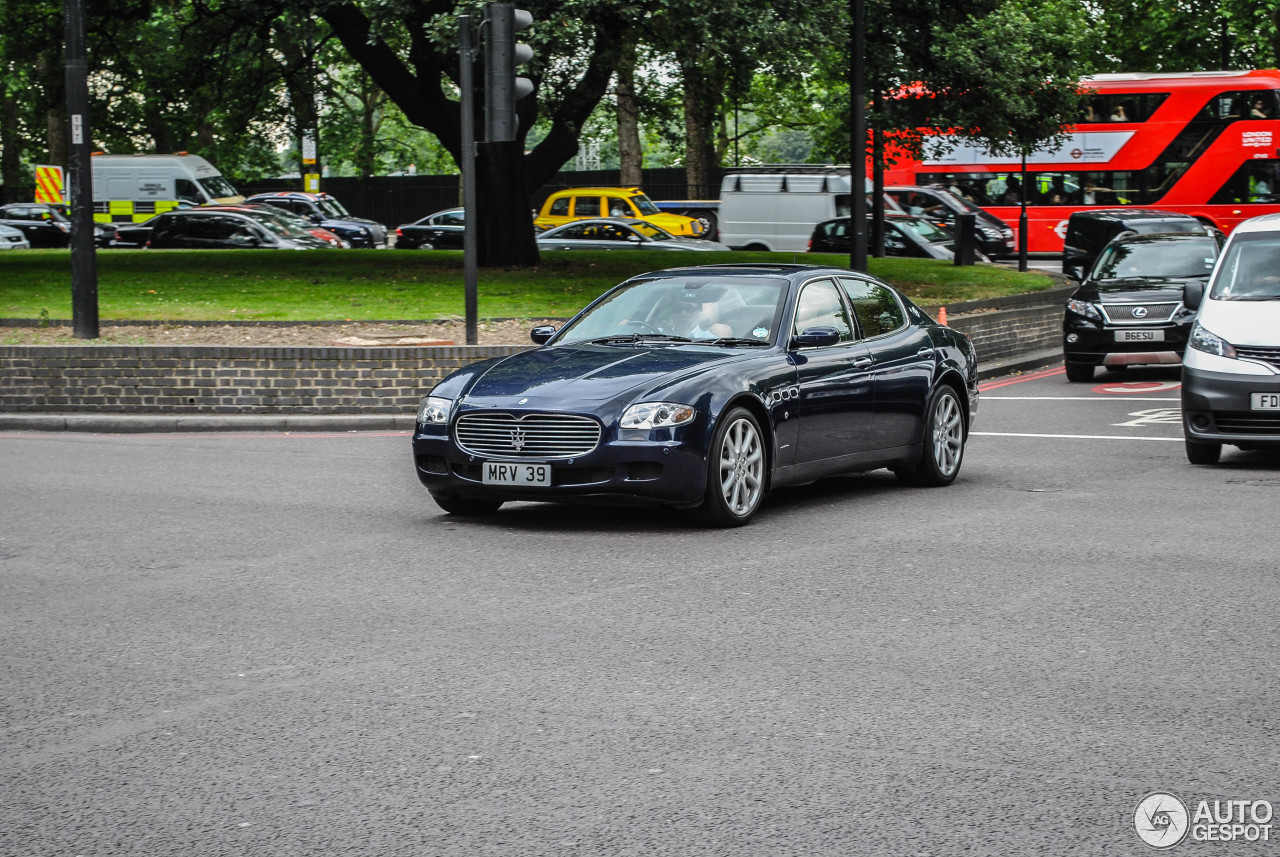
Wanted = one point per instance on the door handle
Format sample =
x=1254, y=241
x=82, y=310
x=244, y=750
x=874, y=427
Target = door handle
x=862, y=362
x=925, y=352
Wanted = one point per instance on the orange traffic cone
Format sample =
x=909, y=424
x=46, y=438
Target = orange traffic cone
x=942, y=316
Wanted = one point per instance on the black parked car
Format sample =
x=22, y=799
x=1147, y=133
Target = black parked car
x=1129, y=310
x=325, y=211
x=440, y=231
x=47, y=226
x=904, y=235
x=227, y=227
x=1089, y=231
x=705, y=388
x=993, y=236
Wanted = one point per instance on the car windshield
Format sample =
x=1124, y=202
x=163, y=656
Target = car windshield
x=218, y=187
x=694, y=306
x=644, y=205
x=648, y=230
x=1250, y=269
x=1182, y=258
x=924, y=230
x=332, y=208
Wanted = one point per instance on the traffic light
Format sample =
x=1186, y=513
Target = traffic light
x=502, y=55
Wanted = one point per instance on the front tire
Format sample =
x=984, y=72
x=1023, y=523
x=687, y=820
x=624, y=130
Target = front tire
x=943, y=443
x=1203, y=453
x=466, y=506
x=1079, y=373
x=736, y=465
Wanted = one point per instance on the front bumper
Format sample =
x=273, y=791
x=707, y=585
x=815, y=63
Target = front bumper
x=665, y=469
x=1216, y=408
x=1096, y=344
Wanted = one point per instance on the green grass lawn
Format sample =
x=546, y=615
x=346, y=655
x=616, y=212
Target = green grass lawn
x=360, y=285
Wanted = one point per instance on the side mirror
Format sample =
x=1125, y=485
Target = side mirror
x=542, y=333
x=1192, y=295
x=1076, y=273
x=815, y=337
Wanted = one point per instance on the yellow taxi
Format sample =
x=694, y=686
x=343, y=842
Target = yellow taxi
x=579, y=203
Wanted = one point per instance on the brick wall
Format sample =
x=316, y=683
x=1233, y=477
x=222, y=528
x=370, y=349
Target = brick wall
x=207, y=380
x=157, y=379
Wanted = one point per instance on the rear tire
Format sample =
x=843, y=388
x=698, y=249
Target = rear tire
x=1079, y=373
x=942, y=450
x=1203, y=453
x=466, y=506
x=736, y=471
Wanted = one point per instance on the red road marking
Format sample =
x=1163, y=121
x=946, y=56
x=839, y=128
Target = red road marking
x=1034, y=376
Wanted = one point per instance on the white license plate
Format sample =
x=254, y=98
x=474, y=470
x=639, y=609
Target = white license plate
x=516, y=473
x=1139, y=336
x=1264, y=401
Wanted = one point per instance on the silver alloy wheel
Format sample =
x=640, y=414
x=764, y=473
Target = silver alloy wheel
x=948, y=434
x=741, y=467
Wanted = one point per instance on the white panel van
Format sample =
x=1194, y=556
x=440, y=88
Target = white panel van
x=1231, y=368
x=776, y=208
x=133, y=188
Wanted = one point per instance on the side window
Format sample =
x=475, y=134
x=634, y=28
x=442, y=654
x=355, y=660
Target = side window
x=301, y=208
x=186, y=190
x=574, y=232
x=820, y=306
x=452, y=218
x=559, y=208
x=586, y=206
x=17, y=214
x=619, y=207
x=876, y=307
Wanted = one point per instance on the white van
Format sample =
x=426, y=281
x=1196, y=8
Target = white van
x=776, y=208
x=133, y=188
x=1231, y=369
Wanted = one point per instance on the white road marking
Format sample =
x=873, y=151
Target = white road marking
x=1072, y=436
x=1074, y=399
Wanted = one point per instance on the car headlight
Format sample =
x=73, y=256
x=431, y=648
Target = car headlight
x=434, y=410
x=651, y=415
x=1203, y=340
x=990, y=233
x=1083, y=308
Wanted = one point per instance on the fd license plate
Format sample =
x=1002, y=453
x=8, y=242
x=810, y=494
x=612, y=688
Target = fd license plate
x=1139, y=336
x=1265, y=401
x=516, y=473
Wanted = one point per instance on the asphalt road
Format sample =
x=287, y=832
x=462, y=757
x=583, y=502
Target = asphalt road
x=277, y=645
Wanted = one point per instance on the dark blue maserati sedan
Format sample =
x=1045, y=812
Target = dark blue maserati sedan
x=704, y=388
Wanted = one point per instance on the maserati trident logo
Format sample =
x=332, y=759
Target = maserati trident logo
x=517, y=439
x=1139, y=312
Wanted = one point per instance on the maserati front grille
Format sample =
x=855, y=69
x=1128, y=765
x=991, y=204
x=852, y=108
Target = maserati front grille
x=497, y=435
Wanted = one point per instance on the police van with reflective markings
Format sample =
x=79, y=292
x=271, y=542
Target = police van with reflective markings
x=134, y=188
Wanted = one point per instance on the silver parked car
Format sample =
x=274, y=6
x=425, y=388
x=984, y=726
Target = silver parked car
x=618, y=233
x=13, y=239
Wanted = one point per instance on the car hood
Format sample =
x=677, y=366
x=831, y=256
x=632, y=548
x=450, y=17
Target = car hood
x=1136, y=290
x=584, y=373
x=1242, y=322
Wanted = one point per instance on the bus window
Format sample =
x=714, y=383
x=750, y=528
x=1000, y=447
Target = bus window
x=1257, y=180
x=1137, y=107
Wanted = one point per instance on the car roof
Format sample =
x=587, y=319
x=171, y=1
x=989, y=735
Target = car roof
x=1129, y=214
x=629, y=191
x=782, y=269
x=624, y=221
x=1262, y=223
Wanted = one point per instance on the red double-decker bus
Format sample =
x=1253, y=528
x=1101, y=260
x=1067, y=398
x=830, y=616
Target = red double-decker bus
x=1202, y=143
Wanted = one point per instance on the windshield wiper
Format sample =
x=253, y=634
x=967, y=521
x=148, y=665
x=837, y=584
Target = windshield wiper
x=732, y=340
x=638, y=337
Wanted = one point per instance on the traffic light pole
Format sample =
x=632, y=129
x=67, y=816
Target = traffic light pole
x=84, y=260
x=470, y=233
